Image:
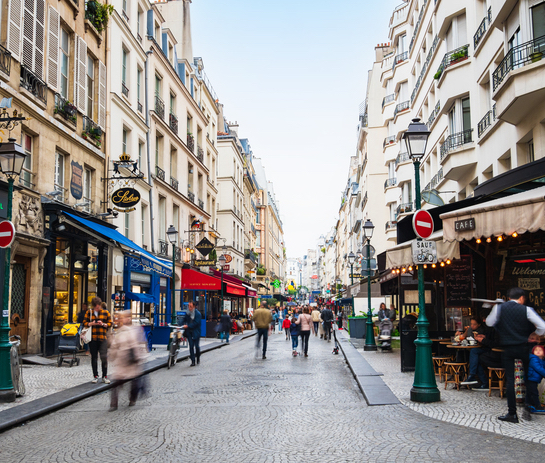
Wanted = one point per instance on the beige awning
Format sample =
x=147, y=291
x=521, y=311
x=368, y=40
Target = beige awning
x=521, y=213
x=402, y=256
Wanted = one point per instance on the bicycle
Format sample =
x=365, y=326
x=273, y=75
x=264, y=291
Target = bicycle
x=175, y=336
x=16, y=366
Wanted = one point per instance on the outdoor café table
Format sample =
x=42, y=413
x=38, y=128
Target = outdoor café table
x=464, y=349
x=497, y=349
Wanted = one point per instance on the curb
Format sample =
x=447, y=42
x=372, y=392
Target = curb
x=371, y=385
x=44, y=405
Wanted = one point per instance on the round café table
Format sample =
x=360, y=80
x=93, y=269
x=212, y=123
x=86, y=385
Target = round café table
x=464, y=348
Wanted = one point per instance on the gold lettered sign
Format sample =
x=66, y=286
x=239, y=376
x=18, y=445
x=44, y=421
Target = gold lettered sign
x=125, y=199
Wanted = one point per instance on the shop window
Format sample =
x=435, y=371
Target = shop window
x=62, y=284
x=538, y=20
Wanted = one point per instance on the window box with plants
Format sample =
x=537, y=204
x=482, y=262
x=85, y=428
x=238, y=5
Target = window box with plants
x=460, y=55
x=65, y=109
x=93, y=134
x=98, y=14
x=261, y=270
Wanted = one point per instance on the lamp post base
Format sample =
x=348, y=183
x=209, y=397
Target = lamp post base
x=425, y=394
x=7, y=396
x=369, y=348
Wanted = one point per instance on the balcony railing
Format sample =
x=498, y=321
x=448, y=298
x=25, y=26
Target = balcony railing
x=253, y=229
x=140, y=107
x=435, y=180
x=451, y=58
x=455, y=140
x=160, y=173
x=482, y=28
x=174, y=183
x=434, y=115
x=486, y=121
x=425, y=66
x=401, y=158
x=404, y=208
x=159, y=107
x=529, y=52
x=33, y=84
x=5, y=60
x=417, y=25
x=124, y=14
x=91, y=131
x=400, y=58
x=201, y=204
x=190, y=142
x=250, y=255
x=365, y=198
x=178, y=254
x=390, y=224
x=200, y=154
x=163, y=248
x=388, y=99
x=173, y=122
x=389, y=141
x=401, y=107
x=390, y=182
x=124, y=89
x=364, y=162
x=191, y=196
x=64, y=108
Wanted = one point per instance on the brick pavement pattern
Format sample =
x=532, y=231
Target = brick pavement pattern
x=238, y=408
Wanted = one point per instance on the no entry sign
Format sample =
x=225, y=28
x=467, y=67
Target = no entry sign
x=423, y=224
x=7, y=234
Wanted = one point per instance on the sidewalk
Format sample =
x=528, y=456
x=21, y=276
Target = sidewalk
x=49, y=388
x=473, y=409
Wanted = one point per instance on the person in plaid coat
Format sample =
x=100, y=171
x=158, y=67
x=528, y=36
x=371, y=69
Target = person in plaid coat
x=100, y=321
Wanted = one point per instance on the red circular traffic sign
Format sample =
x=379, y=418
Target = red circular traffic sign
x=7, y=233
x=423, y=224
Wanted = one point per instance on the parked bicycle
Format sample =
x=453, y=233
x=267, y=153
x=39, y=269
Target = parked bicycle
x=176, y=336
x=16, y=366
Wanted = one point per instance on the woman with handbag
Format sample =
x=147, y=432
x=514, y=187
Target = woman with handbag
x=306, y=326
x=127, y=351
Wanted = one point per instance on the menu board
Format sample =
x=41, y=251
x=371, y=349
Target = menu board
x=459, y=282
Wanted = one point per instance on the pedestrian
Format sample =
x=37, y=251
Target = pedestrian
x=517, y=326
x=340, y=319
x=262, y=320
x=127, y=350
x=275, y=320
x=225, y=326
x=191, y=323
x=100, y=321
x=294, y=331
x=327, y=318
x=286, y=325
x=536, y=372
x=306, y=325
x=315, y=320
x=81, y=317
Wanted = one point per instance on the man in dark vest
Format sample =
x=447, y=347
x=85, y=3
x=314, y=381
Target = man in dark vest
x=518, y=327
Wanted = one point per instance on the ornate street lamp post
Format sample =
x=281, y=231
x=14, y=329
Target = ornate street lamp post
x=424, y=387
x=370, y=343
x=221, y=261
x=12, y=158
x=172, y=235
x=351, y=260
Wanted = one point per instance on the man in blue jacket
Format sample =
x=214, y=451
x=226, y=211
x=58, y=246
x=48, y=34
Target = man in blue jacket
x=192, y=327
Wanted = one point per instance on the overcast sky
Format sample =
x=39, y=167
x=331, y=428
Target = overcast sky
x=292, y=73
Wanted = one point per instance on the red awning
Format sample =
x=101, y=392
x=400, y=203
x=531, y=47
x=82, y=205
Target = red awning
x=194, y=280
x=252, y=293
x=235, y=290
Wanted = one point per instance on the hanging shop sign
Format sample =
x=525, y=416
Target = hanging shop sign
x=205, y=247
x=424, y=252
x=204, y=263
x=464, y=225
x=228, y=258
x=125, y=199
x=76, y=181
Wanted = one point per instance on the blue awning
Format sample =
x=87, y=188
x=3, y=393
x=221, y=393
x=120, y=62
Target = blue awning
x=142, y=297
x=161, y=266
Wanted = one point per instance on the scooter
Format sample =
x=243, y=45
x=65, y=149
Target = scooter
x=176, y=335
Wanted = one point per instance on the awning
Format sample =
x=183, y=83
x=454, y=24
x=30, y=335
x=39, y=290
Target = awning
x=251, y=292
x=154, y=263
x=142, y=297
x=346, y=301
x=194, y=280
x=235, y=290
x=402, y=256
x=521, y=213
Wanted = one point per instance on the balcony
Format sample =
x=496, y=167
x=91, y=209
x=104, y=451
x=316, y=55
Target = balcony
x=174, y=183
x=191, y=196
x=435, y=180
x=388, y=99
x=456, y=140
x=486, y=121
x=159, y=107
x=124, y=14
x=364, y=201
x=401, y=107
x=401, y=158
x=482, y=28
x=200, y=154
x=451, y=58
x=160, y=173
x=391, y=224
x=163, y=248
x=400, y=59
x=417, y=25
x=140, y=107
x=190, y=143
x=201, y=204
x=173, y=122
x=91, y=131
x=425, y=67
x=64, y=108
x=388, y=141
x=390, y=183
x=124, y=89
x=404, y=208
x=33, y=84
x=518, y=81
x=250, y=255
x=178, y=254
x=433, y=115
x=5, y=60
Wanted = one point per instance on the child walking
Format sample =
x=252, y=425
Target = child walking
x=286, y=325
x=536, y=372
x=294, y=330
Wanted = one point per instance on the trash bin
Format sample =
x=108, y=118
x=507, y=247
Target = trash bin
x=357, y=326
x=408, y=350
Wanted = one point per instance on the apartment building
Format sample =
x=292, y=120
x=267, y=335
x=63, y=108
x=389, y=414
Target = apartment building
x=250, y=199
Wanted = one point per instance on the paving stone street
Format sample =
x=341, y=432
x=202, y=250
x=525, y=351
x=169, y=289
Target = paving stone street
x=235, y=407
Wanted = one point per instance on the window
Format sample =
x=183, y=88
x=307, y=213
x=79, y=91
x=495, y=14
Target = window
x=140, y=151
x=157, y=149
x=126, y=225
x=172, y=104
x=466, y=115
x=124, y=60
x=531, y=153
x=124, y=140
x=87, y=182
x=538, y=20
x=138, y=89
x=457, y=33
x=59, y=172
x=157, y=85
x=402, y=44
x=64, y=57
x=90, y=86
x=144, y=211
x=25, y=178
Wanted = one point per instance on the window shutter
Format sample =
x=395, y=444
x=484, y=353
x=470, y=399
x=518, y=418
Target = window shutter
x=76, y=54
x=29, y=20
x=39, y=39
x=15, y=17
x=82, y=72
x=53, y=49
x=102, y=95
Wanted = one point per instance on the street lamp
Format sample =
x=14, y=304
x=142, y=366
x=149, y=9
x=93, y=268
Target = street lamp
x=172, y=235
x=351, y=260
x=222, y=261
x=370, y=333
x=12, y=158
x=424, y=387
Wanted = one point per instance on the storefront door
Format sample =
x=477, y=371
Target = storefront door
x=20, y=296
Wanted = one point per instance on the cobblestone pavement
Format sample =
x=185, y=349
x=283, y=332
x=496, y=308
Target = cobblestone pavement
x=464, y=407
x=235, y=407
x=43, y=380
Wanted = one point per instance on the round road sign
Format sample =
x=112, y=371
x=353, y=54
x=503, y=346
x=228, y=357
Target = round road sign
x=423, y=224
x=7, y=234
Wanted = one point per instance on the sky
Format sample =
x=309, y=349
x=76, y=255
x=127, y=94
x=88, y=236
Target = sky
x=292, y=73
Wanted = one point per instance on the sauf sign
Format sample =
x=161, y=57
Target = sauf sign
x=424, y=252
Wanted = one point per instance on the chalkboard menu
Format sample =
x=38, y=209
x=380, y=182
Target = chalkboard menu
x=459, y=282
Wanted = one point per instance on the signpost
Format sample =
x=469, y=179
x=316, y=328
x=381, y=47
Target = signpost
x=424, y=252
x=423, y=224
x=7, y=234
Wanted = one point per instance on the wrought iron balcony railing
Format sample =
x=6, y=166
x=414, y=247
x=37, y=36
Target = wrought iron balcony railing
x=174, y=183
x=399, y=59
x=140, y=107
x=425, y=66
x=401, y=107
x=64, y=108
x=390, y=225
x=521, y=55
x=160, y=173
x=173, y=122
x=190, y=142
x=404, y=208
x=433, y=115
x=455, y=140
x=390, y=182
x=200, y=154
x=482, y=28
x=191, y=196
x=159, y=107
x=389, y=141
x=201, y=204
x=451, y=58
x=388, y=99
x=124, y=89
x=33, y=84
x=92, y=131
x=486, y=121
x=250, y=255
x=5, y=60
x=163, y=248
x=417, y=25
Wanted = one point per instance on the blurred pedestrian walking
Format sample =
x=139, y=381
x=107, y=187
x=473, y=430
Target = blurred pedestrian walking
x=191, y=323
x=305, y=323
x=225, y=326
x=262, y=319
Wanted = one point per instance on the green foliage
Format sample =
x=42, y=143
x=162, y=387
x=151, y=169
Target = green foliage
x=213, y=255
x=272, y=301
x=438, y=74
x=98, y=14
x=261, y=270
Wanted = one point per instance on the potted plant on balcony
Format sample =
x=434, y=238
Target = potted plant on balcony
x=261, y=270
x=536, y=56
x=98, y=14
x=67, y=110
x=458, y=56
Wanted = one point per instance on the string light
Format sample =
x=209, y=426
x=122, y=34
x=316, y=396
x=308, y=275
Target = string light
x=442, y=264
x=403, y=269
x=425, y=265
x=500, y=238
x=489, y=240
x=433, y=265
x=514, y=235
x=410, y=268
x=448, y=262
x=478, y=241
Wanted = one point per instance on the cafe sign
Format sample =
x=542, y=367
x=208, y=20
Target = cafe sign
x=424, y=252
x=464, y=225
x=125, y=199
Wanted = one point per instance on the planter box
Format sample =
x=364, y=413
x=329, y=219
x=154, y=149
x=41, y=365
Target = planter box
x=357, y=327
